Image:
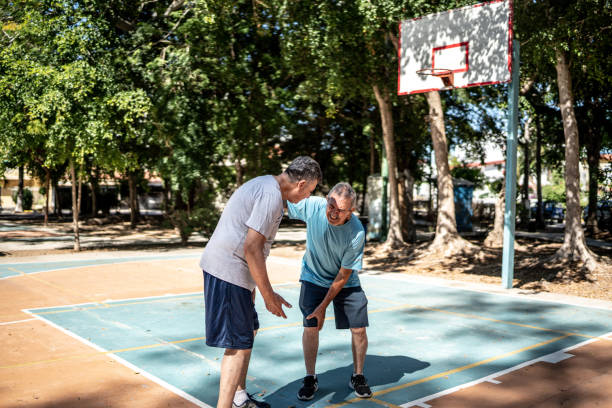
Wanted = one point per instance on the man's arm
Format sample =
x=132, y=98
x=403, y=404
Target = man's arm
x=253, y=252
x=336, y=286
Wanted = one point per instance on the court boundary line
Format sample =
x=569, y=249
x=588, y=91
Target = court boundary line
x=453, y=371
x=129, y=365
x=16, y=321
x=143, y=298
x=424, y=400
x=493, y=291
x=21, y=273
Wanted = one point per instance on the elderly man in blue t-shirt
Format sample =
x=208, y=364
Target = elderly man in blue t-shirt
x=334, y=250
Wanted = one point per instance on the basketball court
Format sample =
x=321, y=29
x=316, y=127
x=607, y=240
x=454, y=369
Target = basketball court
x=90, y=333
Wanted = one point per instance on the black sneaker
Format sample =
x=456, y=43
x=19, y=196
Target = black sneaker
x=310, y=385
x=252, y=403
x=360, y=385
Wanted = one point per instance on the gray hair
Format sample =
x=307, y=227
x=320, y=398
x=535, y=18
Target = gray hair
x=304, y=168
x=345, y=190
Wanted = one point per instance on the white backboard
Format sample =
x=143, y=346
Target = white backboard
x=474, y=42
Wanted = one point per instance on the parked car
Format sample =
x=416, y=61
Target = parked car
x=603, y=214
x=551, y=210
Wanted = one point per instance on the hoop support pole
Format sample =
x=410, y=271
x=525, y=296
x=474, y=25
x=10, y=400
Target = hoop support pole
x=511, y=144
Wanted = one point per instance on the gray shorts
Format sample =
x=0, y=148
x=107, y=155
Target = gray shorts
x=350, y=305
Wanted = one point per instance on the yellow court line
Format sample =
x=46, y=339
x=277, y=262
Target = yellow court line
x=76, y=356
x=294, y=324
x=453, y=371
x=61, y=288
x=383, y=403
x=471, y=316
x=21, y=273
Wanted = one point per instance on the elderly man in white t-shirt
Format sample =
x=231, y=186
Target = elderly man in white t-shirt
x=233, y=264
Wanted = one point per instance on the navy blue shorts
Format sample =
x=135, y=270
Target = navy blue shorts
x=350, y=305
x=230, y=312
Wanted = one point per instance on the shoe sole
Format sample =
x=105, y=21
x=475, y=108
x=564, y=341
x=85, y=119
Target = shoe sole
x=311, y=397
x=357, y=394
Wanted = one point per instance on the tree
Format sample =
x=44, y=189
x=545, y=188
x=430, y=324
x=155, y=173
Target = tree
x=557, y=35
x=58, y=65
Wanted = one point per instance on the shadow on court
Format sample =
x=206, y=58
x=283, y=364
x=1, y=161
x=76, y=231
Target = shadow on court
x=333, y=384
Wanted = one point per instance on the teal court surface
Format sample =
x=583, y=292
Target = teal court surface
x=425, y=340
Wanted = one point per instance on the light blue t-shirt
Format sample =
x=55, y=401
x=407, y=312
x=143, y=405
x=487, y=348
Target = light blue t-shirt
x=328, y=247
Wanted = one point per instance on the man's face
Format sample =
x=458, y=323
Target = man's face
x=338, y=209
x=302, y=189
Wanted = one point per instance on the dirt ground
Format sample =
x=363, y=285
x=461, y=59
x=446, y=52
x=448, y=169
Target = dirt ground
x=531, y=270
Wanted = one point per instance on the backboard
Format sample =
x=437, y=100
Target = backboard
x=474, y=42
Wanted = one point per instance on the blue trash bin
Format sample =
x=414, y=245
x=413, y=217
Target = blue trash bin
x=463, y=190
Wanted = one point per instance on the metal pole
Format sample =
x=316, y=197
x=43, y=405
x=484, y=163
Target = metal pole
x=510, y=211
x=384, y=171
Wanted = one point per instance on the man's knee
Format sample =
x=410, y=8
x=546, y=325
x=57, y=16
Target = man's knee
x=358, y=331
x=311, y=331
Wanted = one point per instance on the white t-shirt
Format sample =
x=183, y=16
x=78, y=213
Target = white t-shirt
x=258, y=205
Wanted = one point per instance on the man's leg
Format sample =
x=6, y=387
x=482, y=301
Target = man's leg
x=359, y=343
x=243, y=374
x=310, y=345
x=234, y=364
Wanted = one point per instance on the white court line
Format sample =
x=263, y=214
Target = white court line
x=112, y=301
x=491, y=378
x=17, y=321
x=275, y=259
x=131, y=366
x=459, y=285
x=139, y=259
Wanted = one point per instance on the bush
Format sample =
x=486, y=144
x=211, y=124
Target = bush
x=203, y=218
x=28, y=198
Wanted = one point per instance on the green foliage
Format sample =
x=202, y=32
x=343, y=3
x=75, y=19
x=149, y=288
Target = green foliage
x=201, y=218
x=472, y=174
x=187, y=90
x=556, y=190
x=28, y=198
x=605, y=182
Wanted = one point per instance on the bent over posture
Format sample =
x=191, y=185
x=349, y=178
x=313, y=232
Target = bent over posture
x=234, y=264
x=335, y=241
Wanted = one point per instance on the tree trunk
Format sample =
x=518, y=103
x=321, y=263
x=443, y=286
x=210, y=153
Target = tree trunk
x=95, y=191
x=373, y=153
x=19, y=203
x=133, y=200
x=574, y=244
x=75, y=208
x=239, y=172
x=57, y=207
x=167, y=197
x=447, y=239
x=80, y=195
x=48, y=191
x=394, y=235
x=526, y=215
x=495, y=238
x=406, y=185
x=540, y=213
x=593, y=152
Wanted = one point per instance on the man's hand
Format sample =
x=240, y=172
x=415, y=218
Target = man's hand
x=319, y=314
x=275, y=303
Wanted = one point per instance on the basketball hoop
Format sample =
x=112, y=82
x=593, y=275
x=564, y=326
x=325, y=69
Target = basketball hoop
x=446, y=75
